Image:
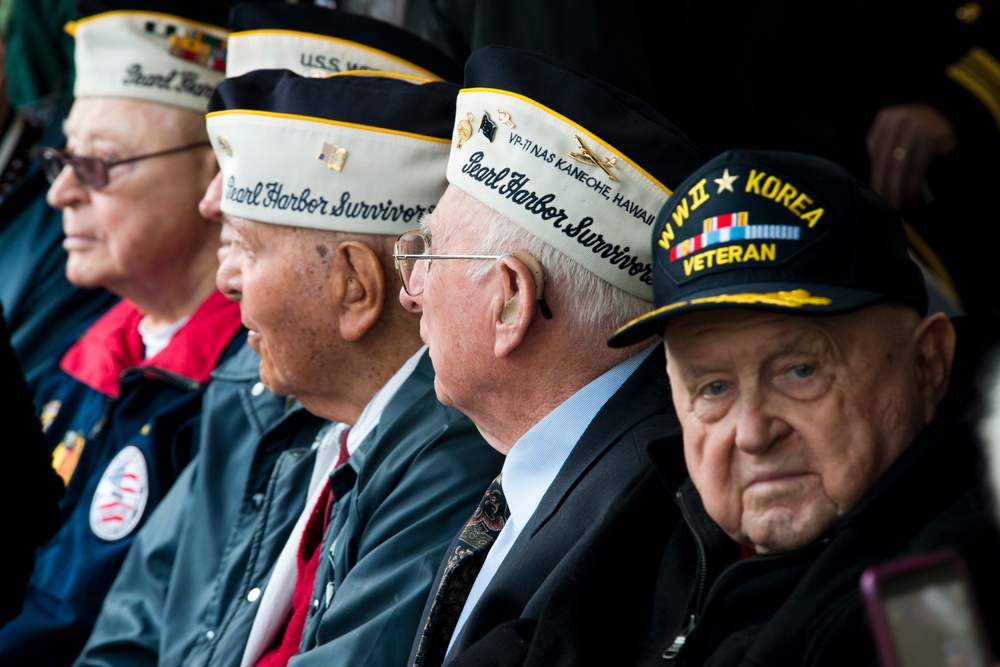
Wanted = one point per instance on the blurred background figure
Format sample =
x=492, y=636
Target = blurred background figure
x=989, y=431
x=26, y=456
x=36, y=72
x=907, y=97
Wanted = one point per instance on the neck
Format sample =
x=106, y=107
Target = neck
x=557, y=370
x=364, y=369
x=186, y=293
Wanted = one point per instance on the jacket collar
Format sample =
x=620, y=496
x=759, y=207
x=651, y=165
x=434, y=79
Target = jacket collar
x=113, y=344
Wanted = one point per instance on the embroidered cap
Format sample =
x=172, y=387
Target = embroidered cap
x=775, y=231
x=580, y=164
x=156, y=51
x=359, y=153
x=317, y=41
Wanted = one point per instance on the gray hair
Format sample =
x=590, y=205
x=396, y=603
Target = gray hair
x=590, y=304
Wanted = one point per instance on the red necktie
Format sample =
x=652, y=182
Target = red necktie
x=310, y=551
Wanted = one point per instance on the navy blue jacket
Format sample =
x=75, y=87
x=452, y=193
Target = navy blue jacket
x=226, y=519
x=122, y=429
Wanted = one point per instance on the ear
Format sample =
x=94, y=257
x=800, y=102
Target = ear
x=359, y=288
x=934, y=345
x=517, y=307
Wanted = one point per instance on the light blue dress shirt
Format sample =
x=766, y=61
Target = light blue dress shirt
x=535, y=459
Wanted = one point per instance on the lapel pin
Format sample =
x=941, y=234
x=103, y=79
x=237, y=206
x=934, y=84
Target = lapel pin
x=488, y=127
x=505, y=118
x=588, y=156
x=224, y=145
x=465, y=128
x=332, y=156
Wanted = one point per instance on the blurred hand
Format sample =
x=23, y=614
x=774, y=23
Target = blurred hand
x=902, y=142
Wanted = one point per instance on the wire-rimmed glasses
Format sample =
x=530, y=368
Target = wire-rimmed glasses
x=411, y=247
x=92, y=170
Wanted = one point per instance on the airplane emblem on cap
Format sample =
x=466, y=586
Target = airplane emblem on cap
x=588, y=156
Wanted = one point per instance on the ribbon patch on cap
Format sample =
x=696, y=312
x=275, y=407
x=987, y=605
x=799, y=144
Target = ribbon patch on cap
x=199, y=47
x=785, y=220
x=731, y=227
x=121, y=495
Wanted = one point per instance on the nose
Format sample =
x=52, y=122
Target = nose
x=210, y=205
x=757, y=428
x=66, y=190
x=225, y=242
x=414, y=304
x=410, y=303
x=228, y=277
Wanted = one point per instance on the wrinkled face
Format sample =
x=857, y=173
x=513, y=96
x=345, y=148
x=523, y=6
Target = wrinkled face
x=455, y=317
x=788, y=420
x=145, y=222
x=281, y=277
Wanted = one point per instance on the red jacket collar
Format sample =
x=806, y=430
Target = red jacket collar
x=113, y=344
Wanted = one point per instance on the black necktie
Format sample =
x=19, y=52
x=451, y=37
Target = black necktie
x=465, y=559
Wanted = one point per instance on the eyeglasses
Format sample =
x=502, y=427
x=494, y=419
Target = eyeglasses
x=92, y=171
x=411, y=247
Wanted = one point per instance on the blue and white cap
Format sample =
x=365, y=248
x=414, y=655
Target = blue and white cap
x=582, y=165
x=352, y=152
x=149, y=50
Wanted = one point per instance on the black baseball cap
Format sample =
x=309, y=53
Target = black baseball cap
x=775, y=231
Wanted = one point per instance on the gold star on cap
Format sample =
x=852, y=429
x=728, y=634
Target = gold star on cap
x=725, y=182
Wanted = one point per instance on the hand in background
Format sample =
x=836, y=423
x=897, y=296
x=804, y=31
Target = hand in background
x=903, y=141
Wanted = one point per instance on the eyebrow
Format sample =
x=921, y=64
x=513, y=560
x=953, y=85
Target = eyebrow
x=241, y=226
x=425, y=224
x=800, y=343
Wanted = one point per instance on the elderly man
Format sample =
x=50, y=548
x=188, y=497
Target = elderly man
x=119, y=407
x=554, y=178
x=41, y=307
x=828, y=426
x=184, y=576
x=313, y=220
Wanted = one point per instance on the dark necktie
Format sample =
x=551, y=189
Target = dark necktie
x=465, y=559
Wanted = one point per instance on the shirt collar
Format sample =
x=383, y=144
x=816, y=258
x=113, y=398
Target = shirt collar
x=536, y=458
x=372, y=413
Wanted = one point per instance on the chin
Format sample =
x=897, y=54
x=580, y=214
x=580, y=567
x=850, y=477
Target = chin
x=82, y=280
x=442, y=394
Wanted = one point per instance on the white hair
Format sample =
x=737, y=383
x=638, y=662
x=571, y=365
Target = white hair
x=590, y=305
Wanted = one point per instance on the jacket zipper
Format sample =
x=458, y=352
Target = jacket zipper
x=701, y=597
x=675, y=647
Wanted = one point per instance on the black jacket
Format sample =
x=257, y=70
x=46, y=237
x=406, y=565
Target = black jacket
x=637, y=590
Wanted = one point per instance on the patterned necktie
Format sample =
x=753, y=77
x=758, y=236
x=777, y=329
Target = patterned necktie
x=465, y=559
